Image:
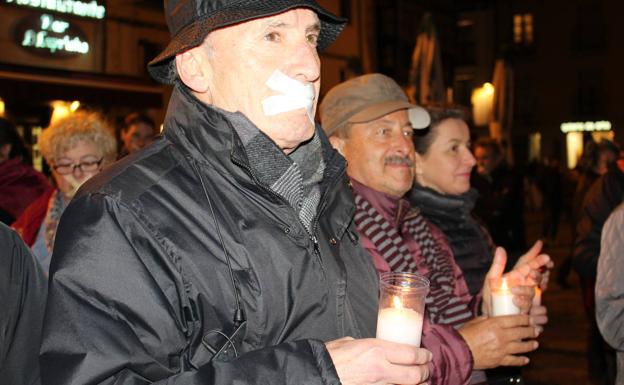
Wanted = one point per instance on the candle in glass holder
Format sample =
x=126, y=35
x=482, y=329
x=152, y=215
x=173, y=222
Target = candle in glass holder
x=502, y=297
x=401, y=307
x=400, y=324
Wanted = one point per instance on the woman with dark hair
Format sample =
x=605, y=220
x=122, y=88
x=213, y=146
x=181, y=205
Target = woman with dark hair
x=20, y=184
x=443, y=166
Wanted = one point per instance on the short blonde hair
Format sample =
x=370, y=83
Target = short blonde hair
x=64, y=134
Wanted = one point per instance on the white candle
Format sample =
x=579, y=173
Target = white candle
x=502, y=300
x=399, y=324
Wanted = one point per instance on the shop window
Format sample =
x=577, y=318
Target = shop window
x=523, y=29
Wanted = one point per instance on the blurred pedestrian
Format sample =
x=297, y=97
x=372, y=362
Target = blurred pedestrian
x=550, y=181
x=501, y=197
x=76, y=148
x=596, y=160
x=23, y=289
x=601, y=199
x=20, y=184
x=610, y=287
x=138, y=130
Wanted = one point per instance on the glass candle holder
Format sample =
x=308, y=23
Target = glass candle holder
x=401, y=307
x=502, y=297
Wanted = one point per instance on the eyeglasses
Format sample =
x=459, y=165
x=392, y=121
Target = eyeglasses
x=86, y=166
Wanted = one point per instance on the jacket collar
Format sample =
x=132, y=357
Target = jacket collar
x=432, y=202
x=394, y=210
x=207, y=134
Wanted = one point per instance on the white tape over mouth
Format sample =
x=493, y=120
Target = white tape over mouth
x=293, y=95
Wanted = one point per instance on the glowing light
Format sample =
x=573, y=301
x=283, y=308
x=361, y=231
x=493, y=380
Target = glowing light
x=601, y=125
x=1, y=107
x=89, y=9
x=482, y=100
x=396, y=302
x=60, y=110
x=45, y=37
x=574, y=148
x=74, y=106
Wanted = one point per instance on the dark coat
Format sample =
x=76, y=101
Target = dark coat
x=601, y=199
x=471, y=244
x=501, y=207
x=22, y=302
x=140, y=284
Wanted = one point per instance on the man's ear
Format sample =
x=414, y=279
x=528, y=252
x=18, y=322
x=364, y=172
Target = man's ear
x=192, y=71
x=338, y=144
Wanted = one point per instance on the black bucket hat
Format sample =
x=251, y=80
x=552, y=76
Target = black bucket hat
x=190, y=21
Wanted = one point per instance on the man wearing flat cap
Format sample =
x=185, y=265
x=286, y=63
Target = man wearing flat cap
x=225, y=251
x=371, y=123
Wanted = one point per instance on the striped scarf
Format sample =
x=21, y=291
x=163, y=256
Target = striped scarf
x=442, y=304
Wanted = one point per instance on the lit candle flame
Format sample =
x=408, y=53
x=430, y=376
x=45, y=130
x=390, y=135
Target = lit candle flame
x=396, y=302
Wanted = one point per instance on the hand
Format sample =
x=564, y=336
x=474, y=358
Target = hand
x=375, y=361
x=535, y=267
x=496, y=341
x=527, y=271
x=539, y=317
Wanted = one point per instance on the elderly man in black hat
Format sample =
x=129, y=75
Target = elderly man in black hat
x=224, y=252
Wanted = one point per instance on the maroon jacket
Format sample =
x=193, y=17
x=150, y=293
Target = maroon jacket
x=452, y=360
x=20, y=185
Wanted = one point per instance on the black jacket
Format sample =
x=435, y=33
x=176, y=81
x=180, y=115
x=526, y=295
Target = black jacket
x=470, y=241
x=23, y=290
x=140, y=285
x=601, y=199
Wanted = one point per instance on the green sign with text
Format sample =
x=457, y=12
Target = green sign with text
x=90, y=9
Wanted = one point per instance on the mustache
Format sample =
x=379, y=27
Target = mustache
x=399, y=160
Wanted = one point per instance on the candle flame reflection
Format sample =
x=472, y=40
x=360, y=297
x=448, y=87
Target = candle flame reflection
x=396, y=302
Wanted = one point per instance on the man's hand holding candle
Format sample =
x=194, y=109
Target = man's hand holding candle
x=375, y=361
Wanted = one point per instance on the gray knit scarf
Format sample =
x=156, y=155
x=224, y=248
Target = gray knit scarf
x=295, y=177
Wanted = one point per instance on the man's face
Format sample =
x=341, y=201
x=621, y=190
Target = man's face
x=241, y=58
x=137, y=136
x=380, y=153
x=486, y=160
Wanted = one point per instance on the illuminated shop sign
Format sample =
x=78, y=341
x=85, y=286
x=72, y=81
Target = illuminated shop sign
x=602, y=125
x=89, y=9
x=50, y=35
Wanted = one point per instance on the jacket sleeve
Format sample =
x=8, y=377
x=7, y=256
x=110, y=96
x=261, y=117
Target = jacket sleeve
x=109, y=320
x=452, y=360
x=609, y=283
x=22, y=300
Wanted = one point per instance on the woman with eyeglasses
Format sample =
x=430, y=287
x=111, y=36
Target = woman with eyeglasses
x=76, y=148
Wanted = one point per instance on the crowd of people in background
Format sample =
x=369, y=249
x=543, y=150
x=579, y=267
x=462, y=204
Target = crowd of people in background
x=243, y=233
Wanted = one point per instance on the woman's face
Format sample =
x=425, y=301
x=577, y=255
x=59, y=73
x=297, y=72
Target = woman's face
x=447, y=164
x=73, y=167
